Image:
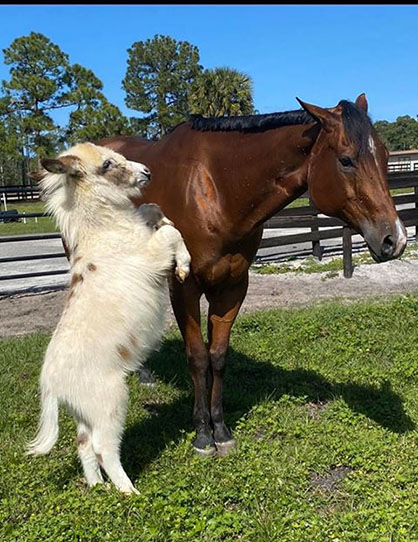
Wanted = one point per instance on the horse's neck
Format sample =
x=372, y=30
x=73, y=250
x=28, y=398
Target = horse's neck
x=274, y=168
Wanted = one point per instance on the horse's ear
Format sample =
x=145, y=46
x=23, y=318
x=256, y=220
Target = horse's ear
x=324, y=116
x=361, y=102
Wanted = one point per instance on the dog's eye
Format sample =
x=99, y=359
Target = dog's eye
x=107, y=164
x=346, y=161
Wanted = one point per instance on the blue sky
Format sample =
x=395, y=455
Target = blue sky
x=319, y=53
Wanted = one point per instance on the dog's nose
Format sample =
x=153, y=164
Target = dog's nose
x=147, y=173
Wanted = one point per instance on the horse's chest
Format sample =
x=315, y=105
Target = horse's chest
x=228, y=269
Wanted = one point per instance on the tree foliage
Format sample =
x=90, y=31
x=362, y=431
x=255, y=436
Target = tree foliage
x=158, y=80
x=399, y=135
x=222, y=91
x=43, y=80
x=97, y=120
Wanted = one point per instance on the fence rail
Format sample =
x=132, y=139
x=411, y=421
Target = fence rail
x=19, y=193
x=298, y=217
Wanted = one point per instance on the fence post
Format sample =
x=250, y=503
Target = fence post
x=347, y=253
x=317, y=250
x=416, y=227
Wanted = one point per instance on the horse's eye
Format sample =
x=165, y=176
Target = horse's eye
x=346, y=161
x=107, y=164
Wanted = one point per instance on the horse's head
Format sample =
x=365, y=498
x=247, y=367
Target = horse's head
x=347, y=176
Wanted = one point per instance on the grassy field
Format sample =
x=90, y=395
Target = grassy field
x=323, y=402
x=42, y=225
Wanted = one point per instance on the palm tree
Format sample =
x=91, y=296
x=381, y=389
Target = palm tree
x=222, y=91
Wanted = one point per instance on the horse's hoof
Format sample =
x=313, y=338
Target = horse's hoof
x=224, y=448
x=209, y=451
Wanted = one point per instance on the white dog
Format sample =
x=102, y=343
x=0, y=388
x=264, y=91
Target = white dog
x=114, y=313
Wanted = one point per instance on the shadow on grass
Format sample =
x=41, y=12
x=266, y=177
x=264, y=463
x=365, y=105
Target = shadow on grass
x=246, y=383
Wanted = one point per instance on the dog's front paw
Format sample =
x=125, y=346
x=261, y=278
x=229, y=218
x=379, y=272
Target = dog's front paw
x=165, y=221
x=182, y=272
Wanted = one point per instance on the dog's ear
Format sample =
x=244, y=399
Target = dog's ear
x=64, y=165
x=37, y=176
x=54, y=165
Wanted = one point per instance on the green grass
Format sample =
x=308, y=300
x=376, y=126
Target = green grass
x=301, y=202
x=323, y=402
x=43, y=224
x=311, y=265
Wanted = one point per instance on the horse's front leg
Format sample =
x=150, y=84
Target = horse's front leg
x=185, y=300
x=224, y=306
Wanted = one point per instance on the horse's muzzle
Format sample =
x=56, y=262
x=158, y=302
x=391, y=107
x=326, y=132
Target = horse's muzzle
x=385, y=243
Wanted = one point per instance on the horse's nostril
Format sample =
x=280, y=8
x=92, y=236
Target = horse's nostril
x=388, y=245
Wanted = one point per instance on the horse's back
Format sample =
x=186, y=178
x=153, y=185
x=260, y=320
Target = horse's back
x=128, y=146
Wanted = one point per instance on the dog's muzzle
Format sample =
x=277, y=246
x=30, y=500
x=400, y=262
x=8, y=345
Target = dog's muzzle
x=142, y=174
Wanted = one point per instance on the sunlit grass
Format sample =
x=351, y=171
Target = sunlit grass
x=323, y=402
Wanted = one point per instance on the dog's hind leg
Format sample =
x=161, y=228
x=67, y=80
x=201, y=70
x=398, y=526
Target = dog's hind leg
x=106, y=441
x=107, y=428
x=88, y=458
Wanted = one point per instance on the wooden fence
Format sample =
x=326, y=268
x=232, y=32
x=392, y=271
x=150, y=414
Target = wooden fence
x=297, y=217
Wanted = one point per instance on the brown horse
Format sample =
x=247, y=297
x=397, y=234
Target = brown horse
x=219, y=179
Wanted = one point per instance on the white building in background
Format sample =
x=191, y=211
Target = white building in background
x=403, y=161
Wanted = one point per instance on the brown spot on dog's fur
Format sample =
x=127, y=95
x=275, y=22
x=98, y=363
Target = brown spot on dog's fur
x=82, y=438
x=133, y=340
x=76, y=260
x=91, y=267
x=75, y=279
x=124, y=352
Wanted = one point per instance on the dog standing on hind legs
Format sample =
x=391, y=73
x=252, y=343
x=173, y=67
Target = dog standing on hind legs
x=120, y=259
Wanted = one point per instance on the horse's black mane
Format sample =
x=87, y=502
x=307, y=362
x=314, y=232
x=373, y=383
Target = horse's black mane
x=250, y=123
x=356, y=122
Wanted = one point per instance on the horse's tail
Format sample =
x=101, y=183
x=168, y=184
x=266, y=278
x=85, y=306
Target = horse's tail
x=48, y=426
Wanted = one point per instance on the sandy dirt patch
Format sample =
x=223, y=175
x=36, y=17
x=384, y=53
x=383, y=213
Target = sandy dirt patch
x=23, y=314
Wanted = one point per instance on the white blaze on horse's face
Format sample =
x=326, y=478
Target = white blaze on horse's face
x=372, y=148
x=401, y=237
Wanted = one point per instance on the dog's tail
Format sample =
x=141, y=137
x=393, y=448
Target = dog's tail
x=48, y=427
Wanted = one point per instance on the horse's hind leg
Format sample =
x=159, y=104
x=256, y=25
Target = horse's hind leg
x=186, y=305
x=87, y=456
x=224, y=305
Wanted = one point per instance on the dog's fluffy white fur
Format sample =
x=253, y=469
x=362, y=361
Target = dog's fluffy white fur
x=114, y=311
